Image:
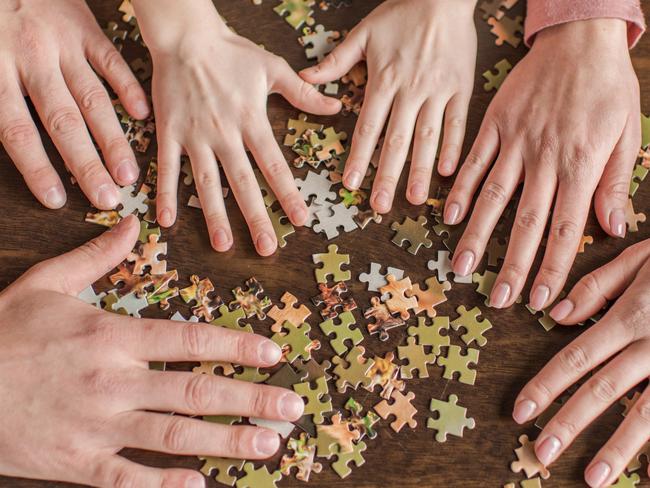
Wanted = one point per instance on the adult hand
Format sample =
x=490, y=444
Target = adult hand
x=75, y=387
x=568, y=128
x=211, y=100
x=421, y=57
x=48, y=51
x=620, y=344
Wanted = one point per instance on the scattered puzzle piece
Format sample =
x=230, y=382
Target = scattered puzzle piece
x=433, y=295
x=220, y=469
x=250, y=301
x=527, y=460
x=375, y=279
x=431, y=334
x=353, y=370
x=384, y=320
x=289, y=313
x=333, y=301
x=417, y=359
x=332, y=262
x=318, y=400
x=412, y=231
x=401, y=408
x=399, y=301
x=258, y=478
x=302, y=459
x=496, y=78
x=475, y=328
x=506, y=30
x=452, y=418
x=456, y=362
x=344, y=331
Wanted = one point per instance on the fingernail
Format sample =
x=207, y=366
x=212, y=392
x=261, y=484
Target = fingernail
x=55, y=197
x=195, y=482
x=562, y=310
x=548, y=450
x=265, y=242
x=291, y=406
x=464, y=264
x=417, y=191
x=299, y=215
x=452, y=211
x=617, y=222
x=266, y=443
x=523, y=411
x=382, y=200
x=143, y=108
x=354, y=180
x=269, y=352
x=127, y=171
x=539, y=297
x=107, y=196
x=220, y=238
x=500, y=295
x=597, y=474
x=166, y=217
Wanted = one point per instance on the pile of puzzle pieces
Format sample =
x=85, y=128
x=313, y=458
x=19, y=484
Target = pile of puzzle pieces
x=331, y=343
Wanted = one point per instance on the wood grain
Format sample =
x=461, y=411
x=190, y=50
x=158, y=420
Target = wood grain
x=517, y=347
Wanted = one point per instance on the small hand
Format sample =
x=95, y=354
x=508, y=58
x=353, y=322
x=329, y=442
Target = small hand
x=75, y=387
x=567, y=128
x=211, y=102
x=50, y=52
x=619, y=344
x=420, y=73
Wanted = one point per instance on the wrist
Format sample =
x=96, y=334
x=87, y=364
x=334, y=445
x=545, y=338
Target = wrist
x=601, y=34
x=166, y=23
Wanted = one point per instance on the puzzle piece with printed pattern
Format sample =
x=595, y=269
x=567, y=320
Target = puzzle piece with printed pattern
x=289, y=313
x=495, y=8
x=433, y=295
x=338, y=434
x=385, y=373
x=250, y=301
x=297, y=128
x=298, y=12
x=401, y=407
x=632, y=218
x=506, y=30
x=332, y=300
x=527, y=460
x=330, y=145
x=362, y=423
x=146, y=256
x=302, y=458
x=399, y=302
x=384, y=320
x=199, y=294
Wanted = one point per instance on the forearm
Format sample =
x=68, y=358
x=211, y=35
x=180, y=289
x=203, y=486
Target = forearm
x=163, y=22
x=548, y=13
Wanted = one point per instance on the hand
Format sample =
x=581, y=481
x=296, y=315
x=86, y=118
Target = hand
x=418, y=71
x=75, y=387
x=555, y=124
x=620, y=344
x=212, y=101
x=48, y=51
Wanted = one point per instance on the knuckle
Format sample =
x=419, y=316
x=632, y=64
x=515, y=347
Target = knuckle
x=574, y=359
x=111, y=59
x=93, y=98
x=90, y=170
x=451, y=149
x=207, y=179
x=194, y=341
x=306, y=90
x=19, y=133
x=552, y=272
x=591, y=284
x=368, y=128
x=175, y=435
x=602, y=388
x=242, y=347
x=386, y=77
x=513, y=269
x=396, y=141
x=63, y=121
x=426, y=133
x=38, y=172
x=635, y=320
x=244, y=179
x=567, y=426
x=618, y=190
x=475, y=162
x=101, y=332
x=617, y=451
x=387, y=181
x=275, y=167
x=234, y=441
x=541, y=390
x=493, y=192
x=642, y=408
x=528, y=220
x=125, y=478
x=259, y=401
x=198, y=392
x=455, y=122
x=102, y=383
x=564, y=230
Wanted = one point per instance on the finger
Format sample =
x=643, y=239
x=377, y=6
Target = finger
x=184, y=436
x=592, y=399
x=74, y=271
x=169, y=166
x=249, y=197
x=60, y=114
x=22, y=142
x=376, y=105
x=612, y=193
x=454, y=134
x=425, y=146
x=208, y=186
x=526, y=236
x=597, y=344
x=471, y=174
x=595, y=289
x=110, y=64
x=118, y=471
x=631, y=436
x=490, y=204
x=568, y=222
x=203, y=394
x=164, y=340
x=393, y=153
x=340, y=61
x=275, y=169
x=299, y=93
x=99, y=114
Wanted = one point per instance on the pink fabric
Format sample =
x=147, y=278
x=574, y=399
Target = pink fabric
x=546, y=13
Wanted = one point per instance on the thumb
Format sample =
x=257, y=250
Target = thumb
x=612, y=194
x=337, y=63
x=74, y=271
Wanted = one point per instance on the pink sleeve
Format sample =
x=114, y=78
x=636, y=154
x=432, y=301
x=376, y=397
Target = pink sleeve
x=546, y=13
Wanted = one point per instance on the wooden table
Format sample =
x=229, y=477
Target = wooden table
x=517, y=347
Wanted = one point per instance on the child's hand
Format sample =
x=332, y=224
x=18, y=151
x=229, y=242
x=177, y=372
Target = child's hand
x=50, y=51
x=75, y=387
x=566, y=122
x=619, y=344
x=421, y=57
x=210, y=89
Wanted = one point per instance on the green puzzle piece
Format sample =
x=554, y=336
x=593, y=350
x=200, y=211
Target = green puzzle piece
x=343, y=330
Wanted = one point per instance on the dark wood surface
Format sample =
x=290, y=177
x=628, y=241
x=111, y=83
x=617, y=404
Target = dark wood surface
x=517, y=346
